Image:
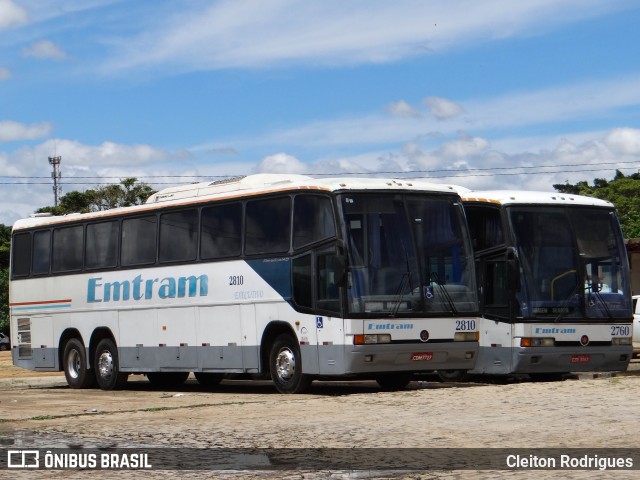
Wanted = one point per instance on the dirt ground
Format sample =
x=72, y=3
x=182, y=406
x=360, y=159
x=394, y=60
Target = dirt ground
x=589, y=411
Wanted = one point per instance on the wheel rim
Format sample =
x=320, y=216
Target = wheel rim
x=105, y=364
x=74, y=364
x=285, y=364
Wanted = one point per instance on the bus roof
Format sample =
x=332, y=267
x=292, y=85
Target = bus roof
x=520, y=197
x=239, y=187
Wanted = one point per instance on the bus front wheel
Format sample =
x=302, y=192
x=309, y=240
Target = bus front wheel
x=107, y=366
x=74, y=362
x=286, y=366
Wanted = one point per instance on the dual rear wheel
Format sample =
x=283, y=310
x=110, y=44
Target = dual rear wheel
x=105, y=372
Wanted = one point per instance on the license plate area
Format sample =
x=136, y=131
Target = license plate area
x=580, y=358
x=422, y=356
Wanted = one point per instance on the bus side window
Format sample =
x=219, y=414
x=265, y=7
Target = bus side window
x=178, y=236
x=328, y=282
x=312, y=220
x=495, y=284
x=221, y=234
x=302, y=293
x=139, y=240
x=101, y=249
x=41, y=252
x=21, y=252
x=268, y=226
x=67, y=249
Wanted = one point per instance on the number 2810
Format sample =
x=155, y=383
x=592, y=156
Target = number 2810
x=465, y=325
x=236, y=280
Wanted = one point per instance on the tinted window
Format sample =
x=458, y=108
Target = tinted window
x=179, y=236
x=312, y=220
x=485, y=226
x=302, y=293
x=41, y=251
x=221, y=231
x=67, y=249
x=21, y=250
x=101, y=249
x=139, y=240
x=268, y=226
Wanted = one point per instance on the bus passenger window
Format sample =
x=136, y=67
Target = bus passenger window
x=178, y=236
x=221, y=234
x=268, y=226
x=312, y=220
x=101, y=249
x=139, y=240
x=41, y=252
x=67, y=249
x=21, y=252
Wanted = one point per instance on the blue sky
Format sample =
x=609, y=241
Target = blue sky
x=490, y=94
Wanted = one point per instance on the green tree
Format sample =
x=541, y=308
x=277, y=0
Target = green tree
x=128, y=192
x=5, y=246
x=623, y=191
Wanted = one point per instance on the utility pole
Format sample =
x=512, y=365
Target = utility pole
x=56, y=175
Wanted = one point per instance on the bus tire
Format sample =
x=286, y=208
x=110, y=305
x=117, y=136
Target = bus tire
x=107, y=366
x=285, y=365
x=167, y=379
x=394, y=381
x=74, y=363
x=208, y=379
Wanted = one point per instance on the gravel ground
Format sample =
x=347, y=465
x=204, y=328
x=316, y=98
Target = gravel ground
x=589, y=411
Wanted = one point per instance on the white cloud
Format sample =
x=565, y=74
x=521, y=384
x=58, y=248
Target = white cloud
x=441, y=108
x=624, y=140
x=45, y=49
x=281, y=163
x=402, y=109
x=231, y=34
x=508, y=112
x=12, y=14
x=11, y=131
x=5, y=74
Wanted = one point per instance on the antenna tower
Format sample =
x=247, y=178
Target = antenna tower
x=56, y=174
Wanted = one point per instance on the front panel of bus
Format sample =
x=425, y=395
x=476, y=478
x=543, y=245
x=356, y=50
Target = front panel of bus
x=556, y=289
x=410, y=282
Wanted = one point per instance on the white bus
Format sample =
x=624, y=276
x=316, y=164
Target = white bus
x=554, y=278
x=281, y=275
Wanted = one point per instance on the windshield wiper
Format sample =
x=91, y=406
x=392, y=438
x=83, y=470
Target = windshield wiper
x=445, y=293
x=405, y=281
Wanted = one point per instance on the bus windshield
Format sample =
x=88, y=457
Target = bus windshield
x=573, y=263
x=408, y=255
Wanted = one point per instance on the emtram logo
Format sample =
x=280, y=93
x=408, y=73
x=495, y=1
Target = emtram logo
x=23, y=459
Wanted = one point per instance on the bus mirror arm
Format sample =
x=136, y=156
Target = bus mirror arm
x=341, y=263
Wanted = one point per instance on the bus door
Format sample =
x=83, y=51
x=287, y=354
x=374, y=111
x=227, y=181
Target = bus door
x=329, y=277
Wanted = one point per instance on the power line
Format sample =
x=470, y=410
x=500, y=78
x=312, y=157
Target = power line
x=491, y=171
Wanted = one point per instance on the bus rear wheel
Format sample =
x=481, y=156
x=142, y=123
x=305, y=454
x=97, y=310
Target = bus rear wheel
x=285, y=364
x=167, y=379
x=74, y=362
x=107, y=366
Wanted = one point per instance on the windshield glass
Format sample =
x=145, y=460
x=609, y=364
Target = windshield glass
x=408, y=255
x=573, y=263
